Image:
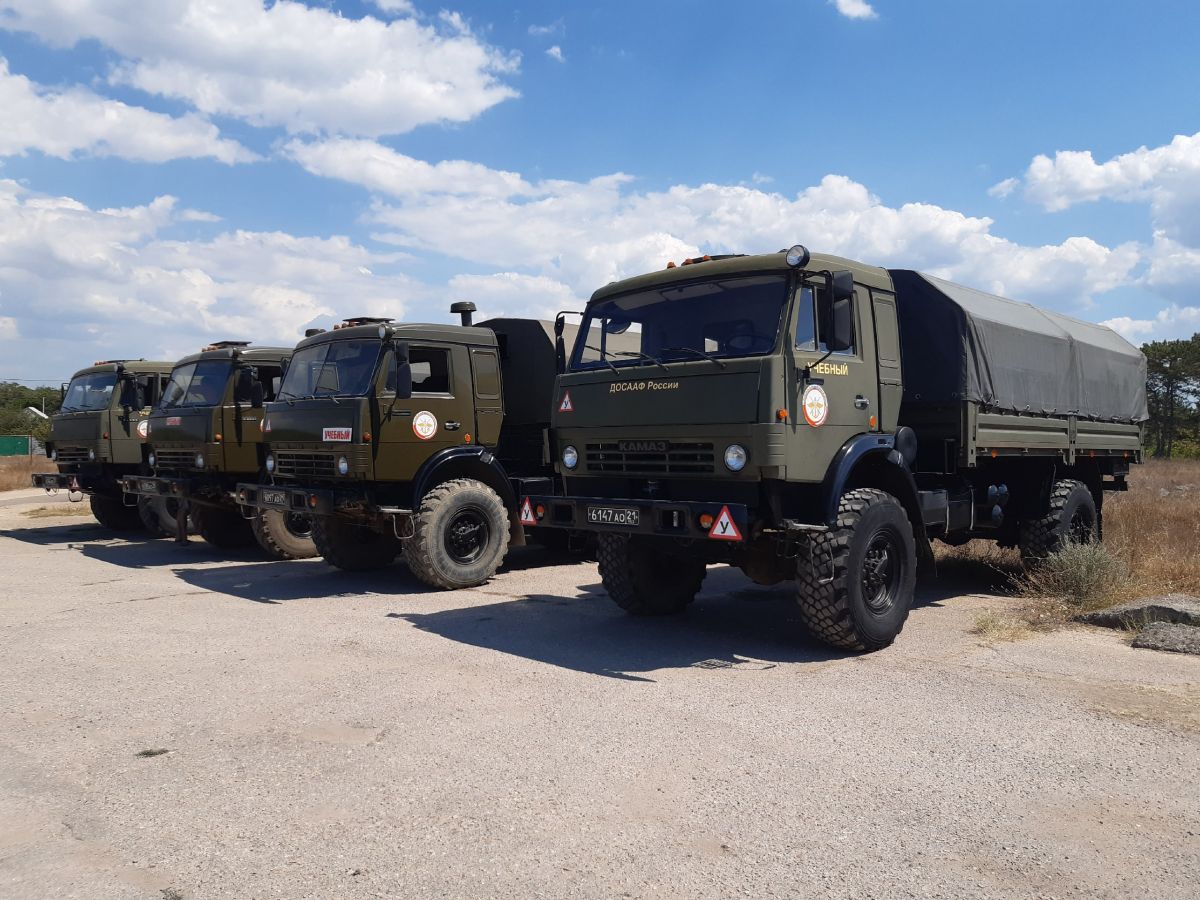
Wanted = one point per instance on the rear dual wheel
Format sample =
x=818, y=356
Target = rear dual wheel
x=645, y=578
x=225, y=529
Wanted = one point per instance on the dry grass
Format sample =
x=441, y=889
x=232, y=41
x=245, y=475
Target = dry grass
x=59, y=511
x=15, y=471
x=1151, y=546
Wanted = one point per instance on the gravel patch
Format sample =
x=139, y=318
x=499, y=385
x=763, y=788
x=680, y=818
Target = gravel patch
x=1169, y=637
x=1180, y=609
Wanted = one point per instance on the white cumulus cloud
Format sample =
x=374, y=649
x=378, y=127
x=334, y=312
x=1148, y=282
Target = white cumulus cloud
x=83, y=283
x=855, y=9
x=556, y=54
x=77, y=122
x=307, y=69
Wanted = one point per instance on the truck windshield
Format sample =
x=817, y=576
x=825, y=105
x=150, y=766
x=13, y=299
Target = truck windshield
x=89, y=391
x=330, y=369
x=725, y=317
x=197, y=384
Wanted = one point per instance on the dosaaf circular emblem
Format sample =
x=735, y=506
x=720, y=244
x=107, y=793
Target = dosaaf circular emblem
x=143, y=428
x=815, y=405
x=425, y=425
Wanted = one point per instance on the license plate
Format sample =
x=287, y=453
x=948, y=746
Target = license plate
x=614, y=515
x=149, y=487
x=275, y=498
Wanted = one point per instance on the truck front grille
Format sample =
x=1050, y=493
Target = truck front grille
x=650, y=458
x=319, y=464
x=174, y=459
x=71, y=455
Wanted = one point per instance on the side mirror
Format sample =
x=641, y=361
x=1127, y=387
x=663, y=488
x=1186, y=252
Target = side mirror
x=403, y=370
x=842, y=285
x=560, y=345
x=62, y=393
x=243, y=388
x=129, y=392
x=256, y=395
x=841, y=326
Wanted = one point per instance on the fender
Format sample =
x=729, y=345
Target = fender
x=880, y=448
x=467, y=461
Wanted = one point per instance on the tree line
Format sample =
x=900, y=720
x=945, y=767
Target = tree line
x=14, y=398
x=1173, y=397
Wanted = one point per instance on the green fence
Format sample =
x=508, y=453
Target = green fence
x=15, y=444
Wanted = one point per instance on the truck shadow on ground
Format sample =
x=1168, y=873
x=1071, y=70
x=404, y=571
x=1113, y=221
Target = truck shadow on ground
x=283, y=581
x=731, y=625
x=313, y=579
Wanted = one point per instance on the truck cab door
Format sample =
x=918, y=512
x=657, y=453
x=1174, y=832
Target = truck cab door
x=439, y=415
x=837, y=401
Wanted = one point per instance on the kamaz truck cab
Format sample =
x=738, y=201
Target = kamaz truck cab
x=398, y=435
x=96, y=436
x=203, y=437
x=810, y=418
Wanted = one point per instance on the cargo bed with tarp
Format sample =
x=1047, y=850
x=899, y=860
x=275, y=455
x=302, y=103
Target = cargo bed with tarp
x=988, y=376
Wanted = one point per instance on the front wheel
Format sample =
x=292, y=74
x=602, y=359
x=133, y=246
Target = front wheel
x=460, y=535
x=224, y=529
x=158, y=515
x=645, y=578
x=285, y=535
x=352, y=547
x=111, y=512
x=856, y=591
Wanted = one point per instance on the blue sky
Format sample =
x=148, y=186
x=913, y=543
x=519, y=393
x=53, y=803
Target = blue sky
x=173, y=171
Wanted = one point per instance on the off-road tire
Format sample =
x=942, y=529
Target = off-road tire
x=352, y=547
x=223, y=528
x=1072, y=515
x=644, y=578
x=460, y=535
x=111, y=512
x=157, y=517
x=872, y=540
x=278, y=533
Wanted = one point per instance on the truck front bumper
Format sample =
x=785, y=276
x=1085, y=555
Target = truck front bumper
x=666, y=518
x=62, y=481
x=158, y=486
x=312, y=501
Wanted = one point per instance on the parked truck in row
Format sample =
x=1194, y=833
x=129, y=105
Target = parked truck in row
x=398, y=436
x=813, y=419
x=204, y=436
x=96, y=438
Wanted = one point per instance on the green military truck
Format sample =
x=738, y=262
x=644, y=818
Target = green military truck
x=96, y=437
x=810, y=418
x=396, y=435
x=204, y=436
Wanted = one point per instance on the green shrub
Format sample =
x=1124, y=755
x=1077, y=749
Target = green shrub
x=1085, y=576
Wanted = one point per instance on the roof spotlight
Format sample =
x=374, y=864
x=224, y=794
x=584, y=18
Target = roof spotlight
x=798, y=256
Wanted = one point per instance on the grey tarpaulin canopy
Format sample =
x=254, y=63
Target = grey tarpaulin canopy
x=962, y=344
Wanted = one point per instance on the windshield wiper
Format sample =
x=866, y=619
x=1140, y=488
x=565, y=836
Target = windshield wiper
x=695, y=352
x=602, y=355
x=647, y=357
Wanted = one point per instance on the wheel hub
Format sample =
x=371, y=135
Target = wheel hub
x=467, y=536
x=880, y=572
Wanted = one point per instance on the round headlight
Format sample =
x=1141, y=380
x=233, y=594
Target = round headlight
x=735, y=457
x=152, y=459
x=270, y=463
x=54, y=454
x=91, y=455
x=570, y=457
x=343, y=466
x=199, y=460
x=798, y=256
